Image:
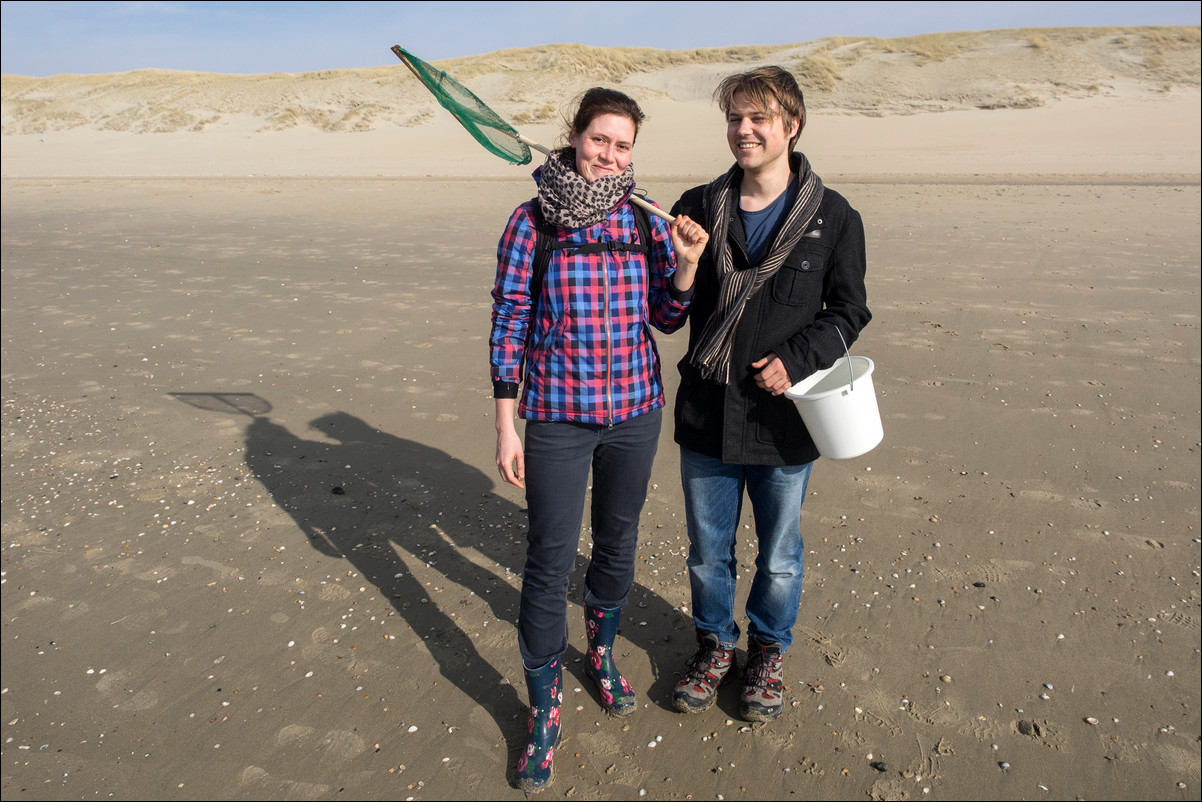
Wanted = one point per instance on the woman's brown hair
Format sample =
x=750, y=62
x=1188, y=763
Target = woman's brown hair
x=598, y=101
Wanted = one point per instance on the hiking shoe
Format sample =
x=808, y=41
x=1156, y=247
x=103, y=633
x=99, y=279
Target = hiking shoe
x=763, y=696
x=704, y=672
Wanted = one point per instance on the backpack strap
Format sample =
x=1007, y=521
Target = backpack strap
x=642, y=224
x=546, y=242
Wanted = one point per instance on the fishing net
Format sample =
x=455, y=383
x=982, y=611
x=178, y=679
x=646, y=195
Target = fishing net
x=484, y=124
x=498, y=136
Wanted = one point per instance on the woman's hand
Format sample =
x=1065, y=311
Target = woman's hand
x=511, y=460
x=688, y=240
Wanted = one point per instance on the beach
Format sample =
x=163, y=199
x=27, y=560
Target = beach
x=255, y=545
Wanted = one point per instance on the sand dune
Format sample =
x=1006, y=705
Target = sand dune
x=1073, y=102
x=938, y=72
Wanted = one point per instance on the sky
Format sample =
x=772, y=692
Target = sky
x=47, y=38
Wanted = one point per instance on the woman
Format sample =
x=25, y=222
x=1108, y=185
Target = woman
x=577, y=337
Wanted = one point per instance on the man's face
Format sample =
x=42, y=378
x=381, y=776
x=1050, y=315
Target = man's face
x=758, y=137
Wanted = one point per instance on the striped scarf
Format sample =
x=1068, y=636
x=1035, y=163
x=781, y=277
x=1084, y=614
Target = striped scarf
x=712, y=355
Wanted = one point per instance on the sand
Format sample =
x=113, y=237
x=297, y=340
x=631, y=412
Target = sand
x=254, y=545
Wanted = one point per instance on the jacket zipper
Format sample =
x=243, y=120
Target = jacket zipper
x=609, y=343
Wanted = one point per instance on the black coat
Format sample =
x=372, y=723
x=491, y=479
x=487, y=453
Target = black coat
x=798, y=314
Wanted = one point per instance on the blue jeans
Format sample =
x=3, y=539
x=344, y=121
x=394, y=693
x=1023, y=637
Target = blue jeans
x=713, y=494
x=558, y=459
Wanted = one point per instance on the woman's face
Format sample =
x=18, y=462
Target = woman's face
x=605, y=147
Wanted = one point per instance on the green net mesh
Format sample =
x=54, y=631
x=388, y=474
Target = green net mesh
x=481, y=122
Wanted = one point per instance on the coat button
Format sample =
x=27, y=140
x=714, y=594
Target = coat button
x=805, y=265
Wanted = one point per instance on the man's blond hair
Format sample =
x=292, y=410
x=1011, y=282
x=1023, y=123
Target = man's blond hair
x=772, y=89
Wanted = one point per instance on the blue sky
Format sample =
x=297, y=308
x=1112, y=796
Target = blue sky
x=41, y=39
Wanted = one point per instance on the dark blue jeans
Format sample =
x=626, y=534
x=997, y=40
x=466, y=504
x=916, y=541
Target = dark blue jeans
x=558, y=459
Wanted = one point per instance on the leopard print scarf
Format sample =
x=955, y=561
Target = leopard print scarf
x=568, y=201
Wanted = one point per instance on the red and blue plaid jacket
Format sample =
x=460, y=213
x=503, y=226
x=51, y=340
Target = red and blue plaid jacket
x=590, y=356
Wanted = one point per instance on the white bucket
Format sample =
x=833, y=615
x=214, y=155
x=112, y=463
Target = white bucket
x=838, y=406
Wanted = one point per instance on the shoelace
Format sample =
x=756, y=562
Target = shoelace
x=701, y=663
x=760, y=668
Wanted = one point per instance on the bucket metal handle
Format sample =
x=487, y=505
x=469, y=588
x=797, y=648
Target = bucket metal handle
x=851, y=381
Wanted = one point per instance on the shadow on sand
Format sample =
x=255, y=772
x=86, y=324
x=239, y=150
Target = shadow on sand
x=385, y=503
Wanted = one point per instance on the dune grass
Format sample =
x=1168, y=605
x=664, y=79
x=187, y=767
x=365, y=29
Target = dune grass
x=930, y=47
x=605, y=64
x=531, y=84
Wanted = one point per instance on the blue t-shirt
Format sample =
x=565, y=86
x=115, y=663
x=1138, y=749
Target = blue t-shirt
x=761, y=226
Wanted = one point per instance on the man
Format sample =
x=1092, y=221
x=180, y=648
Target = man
x=779, y=290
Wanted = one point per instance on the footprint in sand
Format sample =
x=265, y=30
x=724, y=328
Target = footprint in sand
x=338, y=745
x=1042, y=731
x=1182, y=619
x=115, y=687
x=865, y=711
x=1088, y=504
x=822, y=644
x=257, y=783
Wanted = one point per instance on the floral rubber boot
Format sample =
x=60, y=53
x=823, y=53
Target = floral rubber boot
x=617, y=697
x=545, y=686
